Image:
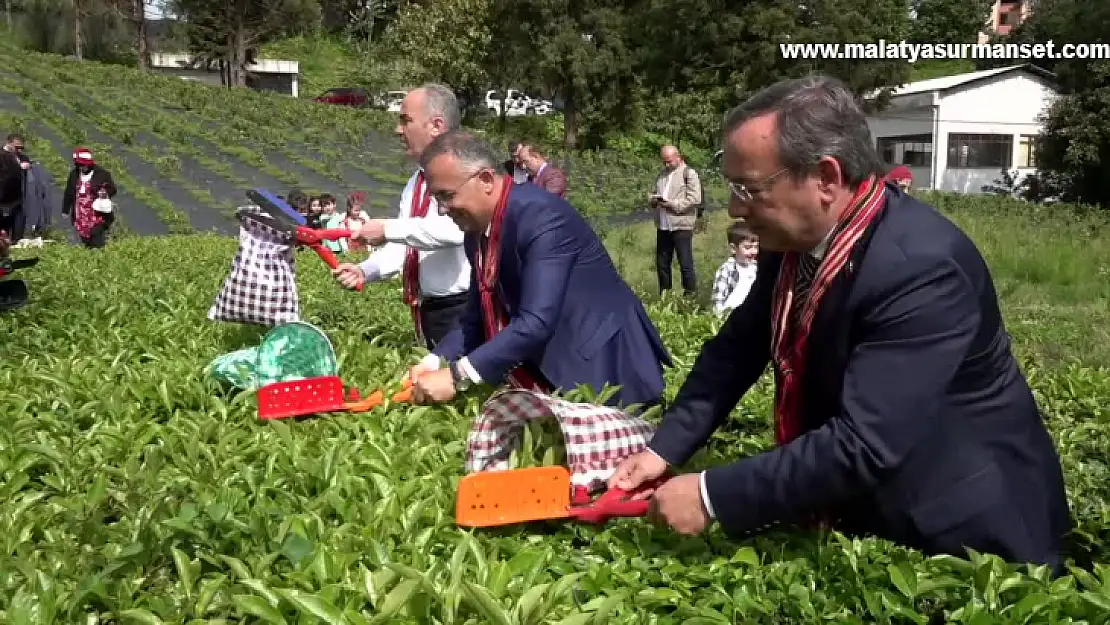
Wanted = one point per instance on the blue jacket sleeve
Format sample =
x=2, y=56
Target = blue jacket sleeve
x=547, y=250
x=727, y=366
x=913, y=340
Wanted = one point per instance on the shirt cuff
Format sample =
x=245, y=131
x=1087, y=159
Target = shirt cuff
x=370, y=269
x=469, y=370
x=705, y=496
x=431, y=361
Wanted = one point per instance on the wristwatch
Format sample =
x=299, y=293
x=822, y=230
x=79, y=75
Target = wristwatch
x=461, y=380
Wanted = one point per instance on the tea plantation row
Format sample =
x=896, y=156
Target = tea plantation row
x=133, y=489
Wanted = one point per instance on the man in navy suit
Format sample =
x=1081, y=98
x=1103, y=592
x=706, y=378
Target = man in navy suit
x=547, y=308
x=900, y=410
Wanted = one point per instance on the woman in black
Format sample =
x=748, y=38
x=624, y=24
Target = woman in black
x=85, y=182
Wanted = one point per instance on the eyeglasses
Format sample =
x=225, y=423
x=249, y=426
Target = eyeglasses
x=443, y=197
x=744, y=192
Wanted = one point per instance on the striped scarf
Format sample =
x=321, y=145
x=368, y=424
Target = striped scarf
x=494, y=317
x=793, y=311
x=410, y=274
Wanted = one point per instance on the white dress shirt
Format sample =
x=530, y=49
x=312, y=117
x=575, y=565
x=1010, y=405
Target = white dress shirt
x=431, y=361
x=444, y=268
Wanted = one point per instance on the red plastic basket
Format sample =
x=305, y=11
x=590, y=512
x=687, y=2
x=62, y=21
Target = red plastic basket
x=300, y=397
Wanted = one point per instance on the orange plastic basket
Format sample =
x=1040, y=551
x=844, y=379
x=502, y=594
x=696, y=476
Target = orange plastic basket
x=300, y=397
x=491, y=498
x=297, y=398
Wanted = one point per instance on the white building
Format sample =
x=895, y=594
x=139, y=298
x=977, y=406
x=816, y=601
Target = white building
x=958, y=133
x=263, y=75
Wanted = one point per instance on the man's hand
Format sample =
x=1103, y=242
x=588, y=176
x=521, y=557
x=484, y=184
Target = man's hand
x=433, y=387
x=636, y=470
x=416, y=371
x=349, y=275
x=371, y=231
x=678, y=504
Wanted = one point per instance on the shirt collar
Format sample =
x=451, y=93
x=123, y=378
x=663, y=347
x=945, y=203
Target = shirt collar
x=819, y=251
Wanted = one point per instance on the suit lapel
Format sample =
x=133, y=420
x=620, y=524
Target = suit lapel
x=829, y=324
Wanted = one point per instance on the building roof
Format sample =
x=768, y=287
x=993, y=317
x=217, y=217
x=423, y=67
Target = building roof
x=171, y=60
x=946, y=83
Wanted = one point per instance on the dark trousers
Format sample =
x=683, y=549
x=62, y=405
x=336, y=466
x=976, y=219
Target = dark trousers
x=667, y=242
x=438, y=316
x=14, y=224
x=98, y=235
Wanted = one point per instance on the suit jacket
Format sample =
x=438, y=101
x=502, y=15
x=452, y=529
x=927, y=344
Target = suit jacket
x=571, y=314
x=919, y=426
x=69, y=198
x=553, y=180
x=11, y=183
x=37, y=183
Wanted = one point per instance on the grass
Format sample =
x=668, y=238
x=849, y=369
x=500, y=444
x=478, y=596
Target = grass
x=1050, y=266
x=135, y=489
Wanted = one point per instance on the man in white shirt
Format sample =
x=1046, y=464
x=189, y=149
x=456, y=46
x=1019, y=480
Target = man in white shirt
x=425, y=247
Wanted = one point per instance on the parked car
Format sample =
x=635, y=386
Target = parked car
x=393, y=100
x=517, y=103
x=344, y=96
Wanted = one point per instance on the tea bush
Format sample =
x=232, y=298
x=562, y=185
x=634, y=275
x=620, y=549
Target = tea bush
x=136, y=490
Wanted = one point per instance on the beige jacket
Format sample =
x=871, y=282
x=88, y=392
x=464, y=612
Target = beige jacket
x=682, y=188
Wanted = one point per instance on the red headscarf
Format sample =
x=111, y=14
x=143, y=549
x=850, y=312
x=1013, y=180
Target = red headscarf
x=900, y=172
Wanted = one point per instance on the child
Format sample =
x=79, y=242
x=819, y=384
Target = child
x=355, y=218
x=737, y=274
x=102, y=204
x=330, y=218
x=315, y=211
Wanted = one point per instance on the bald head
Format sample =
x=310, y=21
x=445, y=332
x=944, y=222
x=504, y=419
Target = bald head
x=671, y=156
x=426, y=112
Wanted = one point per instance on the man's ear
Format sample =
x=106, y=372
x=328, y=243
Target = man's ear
x=487, y=177
x=830, y=178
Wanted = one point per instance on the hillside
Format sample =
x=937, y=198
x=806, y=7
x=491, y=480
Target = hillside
x=183, y=152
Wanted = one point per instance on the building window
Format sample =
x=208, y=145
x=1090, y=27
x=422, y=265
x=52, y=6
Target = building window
x=1026, y=152
x=910, y=150
x=980, y=151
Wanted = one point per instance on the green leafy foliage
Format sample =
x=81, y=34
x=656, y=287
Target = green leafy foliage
x=135, y=490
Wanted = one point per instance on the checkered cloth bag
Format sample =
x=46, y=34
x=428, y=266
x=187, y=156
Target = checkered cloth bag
x=262, y=286
x=597, y=438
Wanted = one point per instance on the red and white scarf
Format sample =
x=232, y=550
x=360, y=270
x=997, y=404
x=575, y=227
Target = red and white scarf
x=788, y=346
x=410, y=275
x=486, y=265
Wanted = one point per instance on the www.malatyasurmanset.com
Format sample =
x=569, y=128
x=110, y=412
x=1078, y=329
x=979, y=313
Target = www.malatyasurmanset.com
x=913, y=52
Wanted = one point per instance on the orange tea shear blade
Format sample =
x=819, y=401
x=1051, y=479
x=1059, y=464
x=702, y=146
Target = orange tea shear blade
x=491, y=498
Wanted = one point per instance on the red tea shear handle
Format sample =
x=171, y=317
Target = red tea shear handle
x=314, y=239
x=617, y=502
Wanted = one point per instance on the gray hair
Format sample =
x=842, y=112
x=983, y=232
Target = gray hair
x=473, y=153
x=817, y=116
x=440, y=101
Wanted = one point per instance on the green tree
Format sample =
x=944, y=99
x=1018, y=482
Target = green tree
x=445, y=40
x=580, y=50
x=1073, y=150
x=229, y=31
x=949, y=21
